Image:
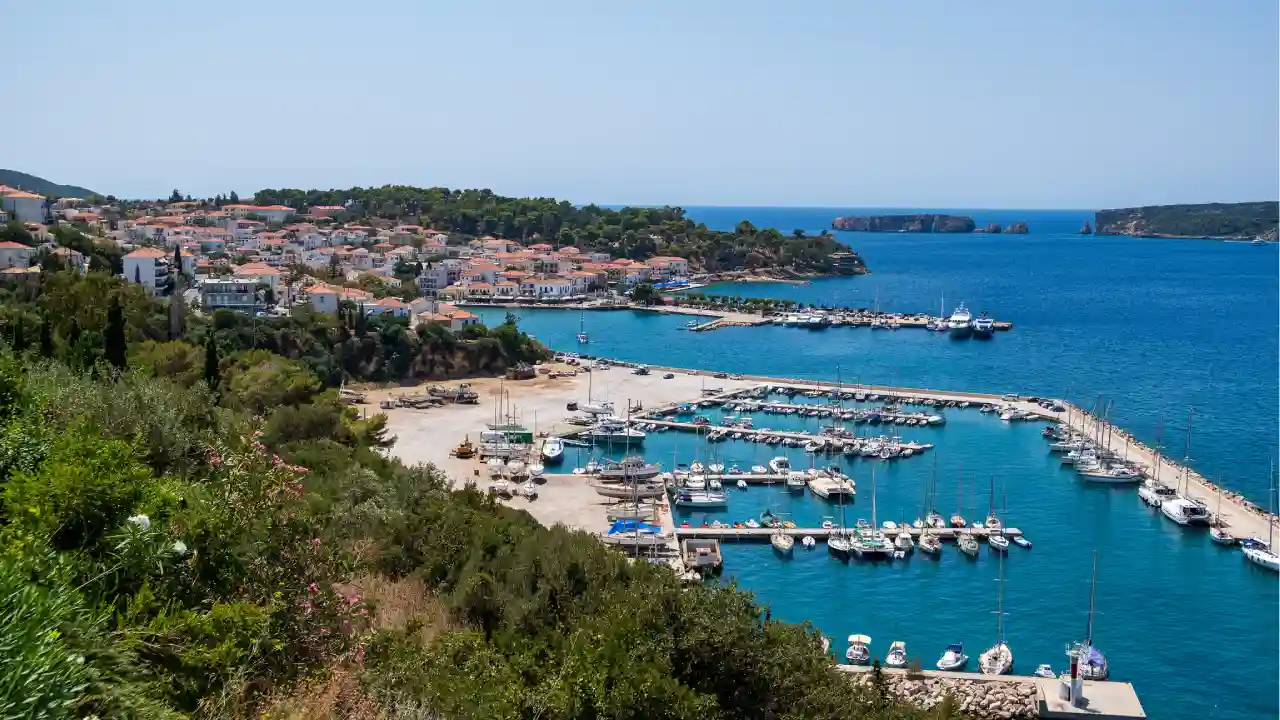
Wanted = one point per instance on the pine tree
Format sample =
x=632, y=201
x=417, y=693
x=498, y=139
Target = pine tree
x=211, y=362
x=176, y=305
x=19, y=336
x=113, y=338
x=234, y=198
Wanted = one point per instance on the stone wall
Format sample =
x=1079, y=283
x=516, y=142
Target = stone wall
x=1005, y=699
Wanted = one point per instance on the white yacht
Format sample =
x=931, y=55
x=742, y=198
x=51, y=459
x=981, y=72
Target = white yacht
x=613, y=431
x=1262, y=556
x=700, y=499
x=1185, y=512
x=1114, y=475
x=601, y=408
x=858, y=653
x=897, y=656
x=552, y=450
x=959, y=324
x=780, y=465
x=954, y=658
x=983, y=326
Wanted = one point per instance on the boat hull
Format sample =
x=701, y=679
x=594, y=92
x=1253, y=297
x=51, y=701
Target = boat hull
x=1262, y=558
x=1104, y=479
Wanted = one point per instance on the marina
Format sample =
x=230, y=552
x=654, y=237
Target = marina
x=1018, y=449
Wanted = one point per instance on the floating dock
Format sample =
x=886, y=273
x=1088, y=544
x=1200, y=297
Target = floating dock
x=786, y=434
x=763, y=534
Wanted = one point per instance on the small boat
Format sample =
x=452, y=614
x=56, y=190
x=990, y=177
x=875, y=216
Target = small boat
x=697, y=467
x=742, y=484
x=759, y=470
x=808, y=542
x=929, y=543
x=897, y=655
x=1021, y=542
x=967, y=544
x=1220, y=536
x=700, y=499
x=904, y=542
x=998, y=542
x=715, y=469
x=1045, y=671
x=1154, y=494
x=552, y=451
x=782, y=543
x=839, y=545
x=780, y=465
x=957, y=521
x=714, y=484
x=953, y=658
x=796, y=481
x=768, y=519
x=858, y=653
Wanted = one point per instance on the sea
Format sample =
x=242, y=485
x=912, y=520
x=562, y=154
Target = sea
x=1178, y=338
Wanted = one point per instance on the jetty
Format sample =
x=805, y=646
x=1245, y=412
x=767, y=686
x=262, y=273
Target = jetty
x=763, y=534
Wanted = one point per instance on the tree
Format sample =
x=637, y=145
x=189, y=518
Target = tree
x=233, y=198
x=114, y=342
x=798, y=234
x=46, y=338
x=175, y=196
x=211, y=375
x=137, y=274
x=644, y=294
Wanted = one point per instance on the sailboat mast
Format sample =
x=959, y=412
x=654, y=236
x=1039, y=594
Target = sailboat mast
x=873, y=498
x=1093, y=587
x=1186, y=455
x=1000, y=603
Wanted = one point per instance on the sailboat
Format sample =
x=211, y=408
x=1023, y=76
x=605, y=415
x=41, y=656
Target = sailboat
x=1091, y=662
x=998, y=659
x=782, y=542
x=995, y=536
x=871, y=542
x=897, y=655
x=839, y=542
x=1182, y=509
x=1254, y=552
x=583, y=339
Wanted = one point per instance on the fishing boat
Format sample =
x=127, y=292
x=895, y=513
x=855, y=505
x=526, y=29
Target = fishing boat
x=953, y=658
x=959, y=324
x=552, y=451
x=897, y=655
x=1264, y=556
x=780, y=465
x=782, y=542
x=859, y=652
x=998, y=659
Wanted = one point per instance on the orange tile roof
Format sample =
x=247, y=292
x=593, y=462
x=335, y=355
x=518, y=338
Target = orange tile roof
x=146, y=252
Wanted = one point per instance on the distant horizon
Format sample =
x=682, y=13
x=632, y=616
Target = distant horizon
x=577, y=203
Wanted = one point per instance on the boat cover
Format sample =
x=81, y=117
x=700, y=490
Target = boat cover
x=1095, y=658
x=633, y=526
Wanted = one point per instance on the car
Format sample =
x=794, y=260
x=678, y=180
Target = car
x=720, y=375
x=668, y=376
x=571, y=406
x=735, y=377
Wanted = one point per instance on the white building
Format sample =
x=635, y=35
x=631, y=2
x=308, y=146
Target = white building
x=239, y=293
x=148, y=267
x=25, y=206
x=14, y=255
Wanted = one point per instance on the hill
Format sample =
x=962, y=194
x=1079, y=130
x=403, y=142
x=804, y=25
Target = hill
x=34, y=184
x=1208, y=220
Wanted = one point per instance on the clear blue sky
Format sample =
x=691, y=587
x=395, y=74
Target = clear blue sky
x=1081, y=104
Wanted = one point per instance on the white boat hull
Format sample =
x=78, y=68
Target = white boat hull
x=996, y=661
x=1262, y=558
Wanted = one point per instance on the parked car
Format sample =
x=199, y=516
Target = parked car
x=668, y=376
x=571, y=406
x=720, y=375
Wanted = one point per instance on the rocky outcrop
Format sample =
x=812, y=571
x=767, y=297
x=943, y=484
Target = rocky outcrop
x=1018, y=228
x=925, y=223
x=993, y=228
x=1211, y=220
x=1006, y=700
x=1087, y=229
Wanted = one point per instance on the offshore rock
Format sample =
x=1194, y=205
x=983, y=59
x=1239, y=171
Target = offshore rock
x=1018, y=228
x=925, y=223
x=993, y=228
x=1087, y=229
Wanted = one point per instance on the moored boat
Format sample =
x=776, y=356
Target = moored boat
x=953, y=658
x=959, y=323
x=552, y=451
x=859, y=652
x=897, y=655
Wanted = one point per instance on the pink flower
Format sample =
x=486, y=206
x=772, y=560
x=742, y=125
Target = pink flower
x=257, y=434
x=275, y=459
x=297, y=486
x=299, y=469
x=364, y=611
x=324, y=631
x=214, y=459
x=315, y=542
x=312, y=588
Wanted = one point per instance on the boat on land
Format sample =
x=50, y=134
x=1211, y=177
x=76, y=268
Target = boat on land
x=953, y=658
x=859, y=652
x=631, y=467
x=629, y=491
x=959, y=324
x=631, y=511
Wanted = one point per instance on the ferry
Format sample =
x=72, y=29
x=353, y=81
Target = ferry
x=960, y=322
x=983, y=326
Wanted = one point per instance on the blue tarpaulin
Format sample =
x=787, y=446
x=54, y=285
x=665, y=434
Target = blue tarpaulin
x=622, y=526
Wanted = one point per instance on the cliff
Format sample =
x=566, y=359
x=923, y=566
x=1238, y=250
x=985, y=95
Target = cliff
x=1210, y=220
x=926, y=223
x=1018, y=228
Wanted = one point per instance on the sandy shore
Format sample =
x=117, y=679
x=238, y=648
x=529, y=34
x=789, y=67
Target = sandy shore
x=427, y=436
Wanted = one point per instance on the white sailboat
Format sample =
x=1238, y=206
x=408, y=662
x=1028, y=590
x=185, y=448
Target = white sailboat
x=1091, y=662
x=897, y=655
x=782, y=543
x=1254, y=552
x=998, y=659
x=583, y=339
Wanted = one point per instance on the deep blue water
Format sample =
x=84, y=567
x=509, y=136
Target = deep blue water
x=1159, y=326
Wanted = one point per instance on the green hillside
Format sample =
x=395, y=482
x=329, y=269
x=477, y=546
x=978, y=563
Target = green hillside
x=34, y=184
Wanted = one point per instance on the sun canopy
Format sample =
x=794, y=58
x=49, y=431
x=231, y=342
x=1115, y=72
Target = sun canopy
x=863, y=639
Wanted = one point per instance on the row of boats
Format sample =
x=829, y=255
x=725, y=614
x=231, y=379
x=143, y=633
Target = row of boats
x=961, y=322
x=888, y=414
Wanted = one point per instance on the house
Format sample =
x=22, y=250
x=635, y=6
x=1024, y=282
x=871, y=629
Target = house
x=238, y=293
x=148, y=267
x=386, y=305
x=666, y=269
x=23, y=205
x=270, y=213
x=433, y=279
x=448, y=316
x=326, y=210
x=14, y=255
x=264, y=274
x=327, y=298
x=553, y=288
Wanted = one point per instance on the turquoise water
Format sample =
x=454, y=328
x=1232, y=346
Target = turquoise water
x=1156, y=325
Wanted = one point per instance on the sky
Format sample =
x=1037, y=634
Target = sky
x=1080, y=104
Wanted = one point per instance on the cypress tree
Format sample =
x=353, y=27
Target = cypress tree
x=211, y=376
x=114, y=340
x=46, y=338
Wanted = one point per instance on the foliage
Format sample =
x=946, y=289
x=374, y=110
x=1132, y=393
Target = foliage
x=637, y=233
x=39, y=185
x=1207, y=220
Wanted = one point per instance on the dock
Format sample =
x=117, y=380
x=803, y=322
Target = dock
x=763, y=534
x=785, y=434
